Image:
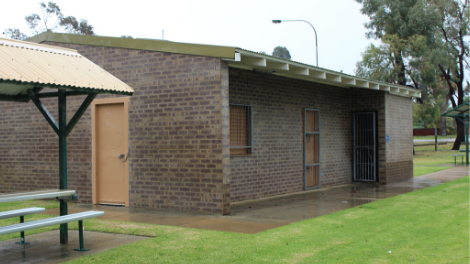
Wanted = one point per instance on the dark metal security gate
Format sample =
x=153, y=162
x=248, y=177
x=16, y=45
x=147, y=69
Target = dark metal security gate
x=311, y=148
x=364, y=147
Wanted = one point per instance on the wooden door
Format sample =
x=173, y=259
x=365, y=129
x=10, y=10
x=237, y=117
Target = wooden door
x=311, y=148
x=110, y=152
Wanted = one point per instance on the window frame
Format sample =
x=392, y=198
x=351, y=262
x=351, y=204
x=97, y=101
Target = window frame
x=249, y=131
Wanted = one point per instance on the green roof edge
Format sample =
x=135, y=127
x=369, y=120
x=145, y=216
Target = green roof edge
x=456, y=108
x=224, y=52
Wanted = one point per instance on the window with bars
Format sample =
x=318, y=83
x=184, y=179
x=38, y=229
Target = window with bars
x=240, y=129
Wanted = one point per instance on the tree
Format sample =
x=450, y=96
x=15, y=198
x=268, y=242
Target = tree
x=281, y=52
x=52, y=19
x=14, y=33
x=422, y=45
x=452, y=55
x=396, y=22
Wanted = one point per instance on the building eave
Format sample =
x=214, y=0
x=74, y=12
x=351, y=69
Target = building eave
x=291, y=69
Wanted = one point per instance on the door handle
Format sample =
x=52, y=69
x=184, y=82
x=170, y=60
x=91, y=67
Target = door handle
x=122, y=156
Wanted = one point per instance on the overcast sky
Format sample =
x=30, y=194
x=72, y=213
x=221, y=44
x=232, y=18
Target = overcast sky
x=245, y=24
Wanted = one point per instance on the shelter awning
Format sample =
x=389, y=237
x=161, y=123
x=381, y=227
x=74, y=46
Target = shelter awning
x=26, y=68
x=461, y=112
x=26, y=65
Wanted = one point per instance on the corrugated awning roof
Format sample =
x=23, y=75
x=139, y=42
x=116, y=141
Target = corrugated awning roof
x=26, y=65
x=459, y=111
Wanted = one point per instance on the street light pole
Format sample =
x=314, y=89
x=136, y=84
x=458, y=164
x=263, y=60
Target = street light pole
x=316, y=40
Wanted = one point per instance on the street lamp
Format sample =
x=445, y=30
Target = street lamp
x=316, y=40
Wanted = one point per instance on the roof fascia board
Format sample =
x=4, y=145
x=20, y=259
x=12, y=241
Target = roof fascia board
x=73, y=88
x=297, y=70
x=224, y=52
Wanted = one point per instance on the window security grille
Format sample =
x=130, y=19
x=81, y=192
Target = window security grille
x=240, y=129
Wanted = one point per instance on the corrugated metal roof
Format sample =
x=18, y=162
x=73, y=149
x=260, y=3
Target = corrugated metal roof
x=462, y=110
x=24, y=65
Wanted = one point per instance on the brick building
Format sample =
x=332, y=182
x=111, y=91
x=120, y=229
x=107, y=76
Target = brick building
x=210, y=125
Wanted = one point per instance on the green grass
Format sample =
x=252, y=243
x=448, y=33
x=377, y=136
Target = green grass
x=425, y=155
x=418, y=171
x=427, y=160
x=426, y=226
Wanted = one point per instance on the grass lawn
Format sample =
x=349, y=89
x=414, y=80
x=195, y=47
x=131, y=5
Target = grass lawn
x=425, y=155
x=426, y=226
x=429, y=160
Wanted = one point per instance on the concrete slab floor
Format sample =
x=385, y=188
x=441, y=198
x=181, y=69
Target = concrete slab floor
x=255, y=216
x=45, y=247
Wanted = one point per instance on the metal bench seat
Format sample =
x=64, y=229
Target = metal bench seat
x=455, y=158
x=54, y=221
x=13, y=197
x=21, y=212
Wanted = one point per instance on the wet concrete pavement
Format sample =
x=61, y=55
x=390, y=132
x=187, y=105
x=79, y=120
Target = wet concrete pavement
x=255, y=216
x=246, y=217
x=45, y=247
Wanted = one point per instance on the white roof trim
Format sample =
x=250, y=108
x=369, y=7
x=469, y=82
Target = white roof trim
x=251, y=60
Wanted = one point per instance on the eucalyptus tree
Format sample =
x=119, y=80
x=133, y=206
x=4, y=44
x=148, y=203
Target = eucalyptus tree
x=51, y=19
x=422, y=44
x=451, y=56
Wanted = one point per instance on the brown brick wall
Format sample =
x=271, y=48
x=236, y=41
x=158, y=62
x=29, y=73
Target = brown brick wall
x=179, y=133
x=399, y=128
x=175, y=134
x=31, y=151
x=276, y=164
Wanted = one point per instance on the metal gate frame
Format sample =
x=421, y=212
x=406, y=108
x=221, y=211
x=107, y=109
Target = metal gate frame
x=373, y=147
x=319, y=149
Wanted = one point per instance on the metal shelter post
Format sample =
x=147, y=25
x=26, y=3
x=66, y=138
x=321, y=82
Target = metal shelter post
x=63, y=130
x=63, y=161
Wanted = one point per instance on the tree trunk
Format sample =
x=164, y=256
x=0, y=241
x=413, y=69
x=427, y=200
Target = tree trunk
x=443, y=124
x=460, y=135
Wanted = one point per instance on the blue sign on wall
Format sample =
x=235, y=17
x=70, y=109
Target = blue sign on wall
x=387, y=139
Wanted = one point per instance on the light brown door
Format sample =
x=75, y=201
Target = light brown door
x=311, y=148
x=110, y=152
